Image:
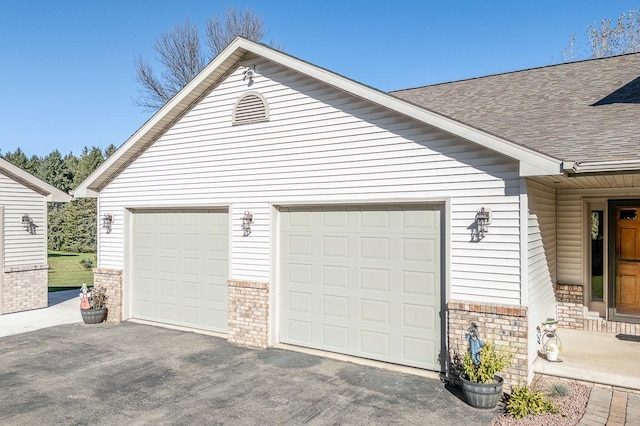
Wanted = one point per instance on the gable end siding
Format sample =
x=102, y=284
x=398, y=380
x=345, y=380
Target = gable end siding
x=322, y=145
x=20, y=247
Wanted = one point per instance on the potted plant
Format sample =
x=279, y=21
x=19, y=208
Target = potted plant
x=481, y=385
x=552, y=352
x=93, y=304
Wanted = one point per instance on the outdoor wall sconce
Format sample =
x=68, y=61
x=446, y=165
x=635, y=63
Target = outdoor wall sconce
x=107, y=221
x=249, y=73
x=28, y=225
x=483, y=219
x=247, y=219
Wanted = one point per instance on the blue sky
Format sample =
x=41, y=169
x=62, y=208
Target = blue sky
x=67, y=66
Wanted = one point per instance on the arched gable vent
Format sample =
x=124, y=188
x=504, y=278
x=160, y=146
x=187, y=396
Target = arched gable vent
x=251, y=107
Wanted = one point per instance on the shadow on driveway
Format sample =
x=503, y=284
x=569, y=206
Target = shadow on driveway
x=137, y=374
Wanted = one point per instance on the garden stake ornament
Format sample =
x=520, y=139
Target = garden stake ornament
x=475, y=344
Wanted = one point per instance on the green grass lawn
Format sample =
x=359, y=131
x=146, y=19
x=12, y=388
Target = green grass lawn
x=65, y=270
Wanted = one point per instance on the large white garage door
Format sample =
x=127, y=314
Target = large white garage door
x=363, y=281
x=179, y=267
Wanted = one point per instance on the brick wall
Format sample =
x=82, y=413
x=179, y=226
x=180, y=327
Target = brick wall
x=506, y=324
x=248, y=313
x=570, y=306
x=111, y=279
x=24, y=288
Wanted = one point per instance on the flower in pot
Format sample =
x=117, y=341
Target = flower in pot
x=93, y=304
x=481, y=384
x=552, y=352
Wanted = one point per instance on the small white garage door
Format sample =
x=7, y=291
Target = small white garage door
x=179, y=267
x=363, y=281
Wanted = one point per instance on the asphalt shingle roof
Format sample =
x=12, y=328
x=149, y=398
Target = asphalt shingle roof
x=579, y=111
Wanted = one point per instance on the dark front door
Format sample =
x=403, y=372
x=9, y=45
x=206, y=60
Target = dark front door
x=627, y=260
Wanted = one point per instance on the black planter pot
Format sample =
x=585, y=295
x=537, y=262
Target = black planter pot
x=93, y=316
x=482, y=395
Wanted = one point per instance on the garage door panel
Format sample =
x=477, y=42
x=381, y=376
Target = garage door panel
x=299, y=302
x=335, y=306
x=299, y=331
x=417, y=350
x=363, y=281
x=377, y=311
x=375, y=279
x=335, y=337
x=336, y=276
x=377, y=221
x=375, y=248
x=420, y=283
x=375, y=344
x=180, y=264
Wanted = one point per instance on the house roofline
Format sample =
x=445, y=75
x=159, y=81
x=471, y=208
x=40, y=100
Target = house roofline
x=532, y=163
x=50, y=192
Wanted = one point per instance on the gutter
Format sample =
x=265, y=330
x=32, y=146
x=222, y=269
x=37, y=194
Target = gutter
x=575, y=168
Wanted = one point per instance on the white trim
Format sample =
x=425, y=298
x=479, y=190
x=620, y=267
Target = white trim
x=274, y=275
x=445, y=237
x=532, y=163
x=575, y=168
x=524, y=243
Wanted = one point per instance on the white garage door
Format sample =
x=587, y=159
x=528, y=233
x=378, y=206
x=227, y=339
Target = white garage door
x=363, y=281
x=179, y=267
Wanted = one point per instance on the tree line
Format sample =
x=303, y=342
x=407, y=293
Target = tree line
x=72, y=226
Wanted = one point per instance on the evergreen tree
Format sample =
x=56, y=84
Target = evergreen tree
x=54, y=170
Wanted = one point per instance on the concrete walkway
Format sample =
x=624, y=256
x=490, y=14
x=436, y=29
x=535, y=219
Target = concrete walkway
x=64, y=308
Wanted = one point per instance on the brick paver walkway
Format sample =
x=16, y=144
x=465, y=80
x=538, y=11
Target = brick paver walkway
x=611, y=408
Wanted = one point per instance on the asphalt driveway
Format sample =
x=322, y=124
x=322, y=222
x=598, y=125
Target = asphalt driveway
x=137, y=374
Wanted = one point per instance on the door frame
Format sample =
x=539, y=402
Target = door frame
x=445, y=246
x=612, y=314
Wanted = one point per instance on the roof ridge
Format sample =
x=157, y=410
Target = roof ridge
x=580, y=61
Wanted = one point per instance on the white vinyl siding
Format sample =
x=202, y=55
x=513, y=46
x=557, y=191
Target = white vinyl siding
x=541, y=257
x=572, y=228
x=20, y=247
x=322, y=145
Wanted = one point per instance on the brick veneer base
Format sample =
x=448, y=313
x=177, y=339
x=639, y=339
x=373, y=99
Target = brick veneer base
x=248, y=317
x=24, y=288
x=571, y=312
x=570, y=309
x=111, y=280
x=506, y=324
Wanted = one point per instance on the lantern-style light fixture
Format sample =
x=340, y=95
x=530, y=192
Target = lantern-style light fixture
x=247, y=220
x=107, y=221
x=28, y=225
x=249, y=73
x=483, y=219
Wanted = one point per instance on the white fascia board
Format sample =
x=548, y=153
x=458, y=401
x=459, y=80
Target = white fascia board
x=84, y=192
x=575, y=168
